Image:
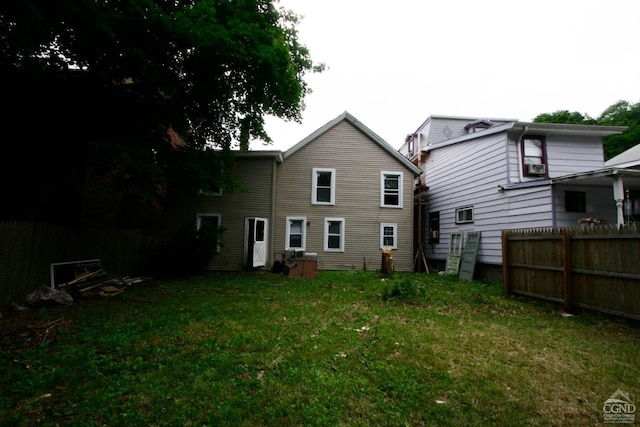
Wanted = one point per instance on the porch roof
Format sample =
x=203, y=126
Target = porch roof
x=600, y=177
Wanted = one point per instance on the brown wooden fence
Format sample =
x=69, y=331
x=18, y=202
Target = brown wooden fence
x=28, y=249
x=593, y=268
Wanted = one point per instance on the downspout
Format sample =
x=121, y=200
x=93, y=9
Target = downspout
x=272, y=223
x=518, y=143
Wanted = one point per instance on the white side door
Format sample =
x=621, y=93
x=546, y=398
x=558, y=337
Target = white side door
x=260, y=242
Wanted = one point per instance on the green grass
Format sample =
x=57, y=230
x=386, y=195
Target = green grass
x=345, y=348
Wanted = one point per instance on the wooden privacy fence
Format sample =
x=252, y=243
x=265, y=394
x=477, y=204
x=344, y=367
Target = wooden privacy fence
x=596, y=268
x=28, y=249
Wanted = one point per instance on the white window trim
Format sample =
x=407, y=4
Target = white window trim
x=199, y=223
x=326, y=235
x=288, y=233
x=468, y=221
x=395, y=235
x=400, y=189
x=314, y=186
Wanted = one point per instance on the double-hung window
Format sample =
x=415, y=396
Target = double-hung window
x=334, y=234
x=390, y=189
x=215, y=191
x=323, y=191
x=296, y=232
x=388, y=236
x=534, y=158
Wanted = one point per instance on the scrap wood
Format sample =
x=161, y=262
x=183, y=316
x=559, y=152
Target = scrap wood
x=98, y=283
x=85, y=275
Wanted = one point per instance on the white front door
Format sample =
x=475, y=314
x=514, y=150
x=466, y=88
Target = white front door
x=260, y=242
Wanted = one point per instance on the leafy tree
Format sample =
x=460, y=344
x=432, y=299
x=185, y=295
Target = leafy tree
x=565, y=116
x=136, y=95
x=622, y=113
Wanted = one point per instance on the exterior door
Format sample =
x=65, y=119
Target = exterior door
x=259, y=258
x=469, y=255
x=455, y=250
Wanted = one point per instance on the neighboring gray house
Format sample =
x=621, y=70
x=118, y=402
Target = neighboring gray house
x=490, y=175
x=342, y=193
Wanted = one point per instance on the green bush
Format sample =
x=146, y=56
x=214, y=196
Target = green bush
x=404, y=289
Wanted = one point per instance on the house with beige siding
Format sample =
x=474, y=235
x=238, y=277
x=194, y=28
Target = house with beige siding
x=488, y=175
x=342, y=194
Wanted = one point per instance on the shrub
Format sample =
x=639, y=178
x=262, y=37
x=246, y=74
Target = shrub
x=404, y=289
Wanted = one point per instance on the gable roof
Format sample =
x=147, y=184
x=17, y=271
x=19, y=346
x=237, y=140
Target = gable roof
x=626, y=159
x=346, y=116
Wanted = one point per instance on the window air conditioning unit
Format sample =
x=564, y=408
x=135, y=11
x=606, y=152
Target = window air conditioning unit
x=536, y=169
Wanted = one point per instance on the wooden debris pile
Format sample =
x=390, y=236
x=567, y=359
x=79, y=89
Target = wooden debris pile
x=98, y=284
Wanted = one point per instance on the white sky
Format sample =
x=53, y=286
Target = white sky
x=392, y=64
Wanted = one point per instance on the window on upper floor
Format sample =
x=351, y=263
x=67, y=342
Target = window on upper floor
x=534, y=156
x=478, y=125
x=434, y=227
x=388, y=236
x=464, y=215
x=296, y=232
x=391, y=189
x=334, y=234
x=575, y=201
x=214, y=191
x=323, y=191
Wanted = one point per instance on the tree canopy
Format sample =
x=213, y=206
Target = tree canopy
x=140, y=93
x=622, y=113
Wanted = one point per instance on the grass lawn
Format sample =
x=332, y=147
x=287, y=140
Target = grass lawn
x=345, y=348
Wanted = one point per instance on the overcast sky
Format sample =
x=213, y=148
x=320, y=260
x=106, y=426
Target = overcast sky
x=394, y=63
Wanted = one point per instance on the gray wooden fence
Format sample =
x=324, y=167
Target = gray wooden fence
x=596, y=268
x=28, y=249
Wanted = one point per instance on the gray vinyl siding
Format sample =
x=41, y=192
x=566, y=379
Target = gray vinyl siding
x=569, y=155
x=565, y=155
x=468, y=174
x=435, y=128
x=484, y=171
x=599, y=204
x=358, y=163
x=255, y=175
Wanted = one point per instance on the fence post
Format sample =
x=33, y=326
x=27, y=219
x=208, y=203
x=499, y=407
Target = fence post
x=505, y=263
x=566, y=270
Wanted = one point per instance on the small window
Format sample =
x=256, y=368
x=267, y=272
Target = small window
x=575, y=201
x=323, y=189
x=534, y=159
x=334, y=234
x=464, y=215
x=389, y=236
x=391, y=189
x=296, y=233
x=434, y=227
x=209, y=224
